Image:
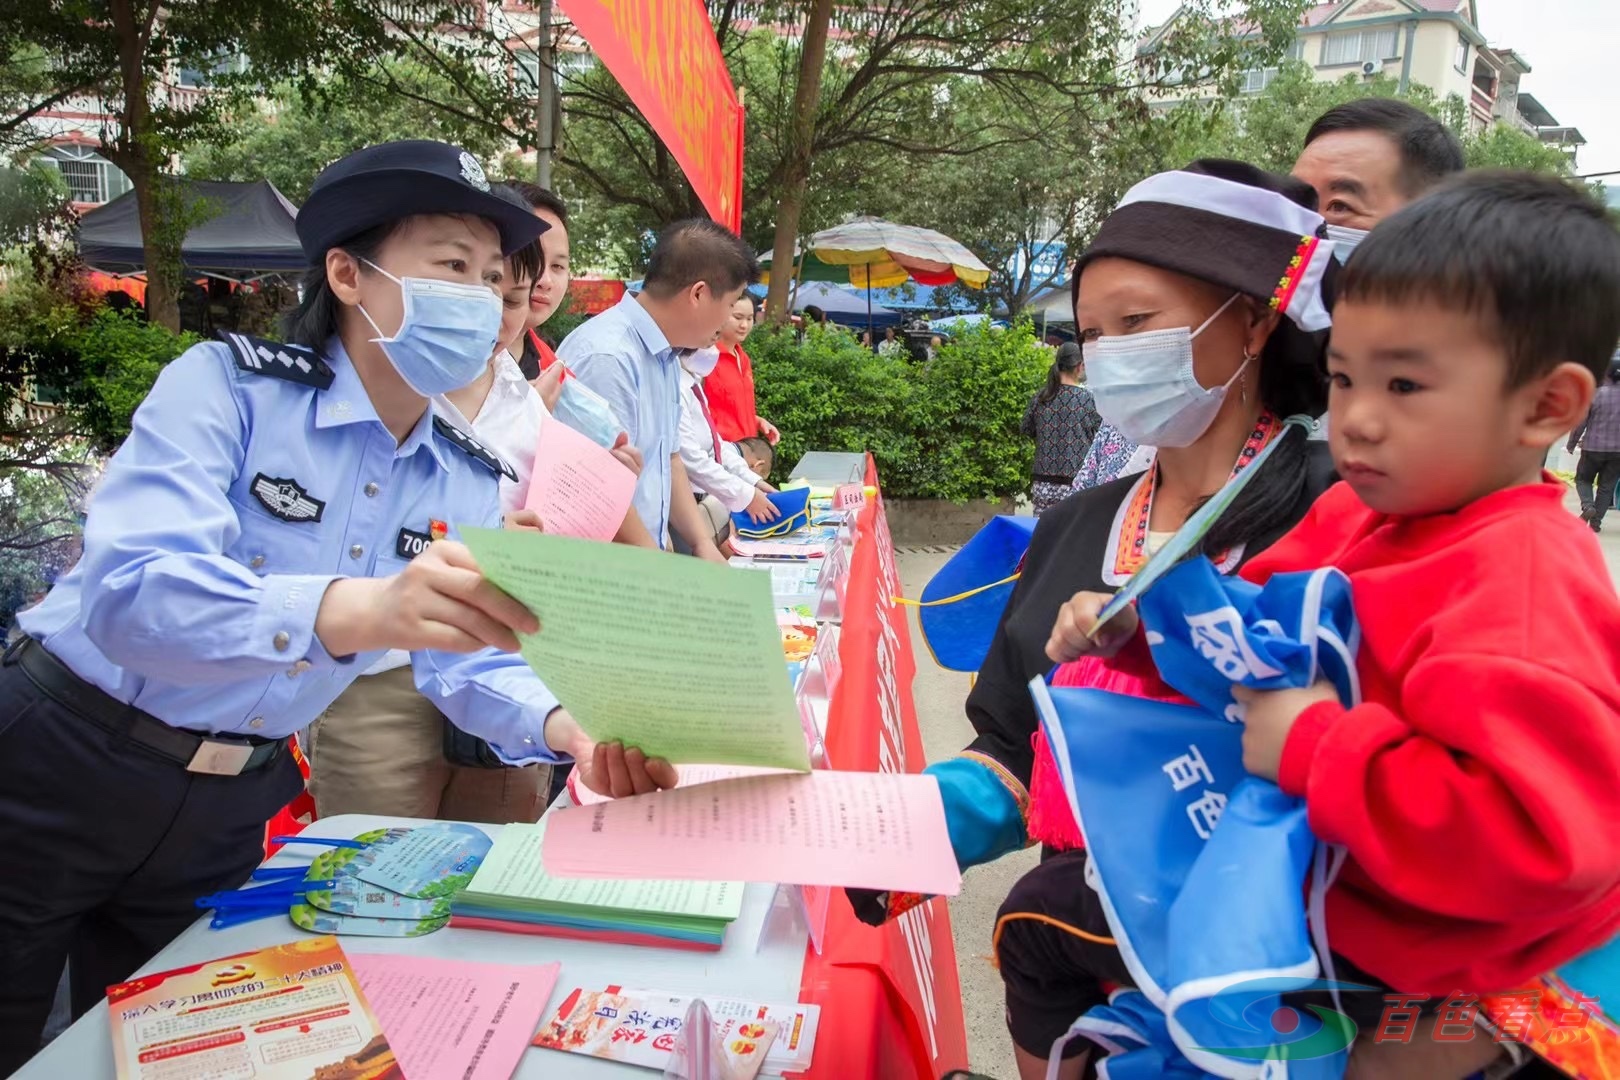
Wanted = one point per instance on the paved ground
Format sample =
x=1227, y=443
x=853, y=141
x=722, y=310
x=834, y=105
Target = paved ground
x=945, y=730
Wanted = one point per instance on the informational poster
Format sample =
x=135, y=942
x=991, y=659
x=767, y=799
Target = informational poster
x=288, y=1012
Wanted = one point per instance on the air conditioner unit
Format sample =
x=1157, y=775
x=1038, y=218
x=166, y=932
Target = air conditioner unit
x=1370, y=67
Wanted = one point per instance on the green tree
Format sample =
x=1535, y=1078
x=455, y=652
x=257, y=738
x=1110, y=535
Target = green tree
x=883, y=110
x=1268, y=129
x=29, y=195
x=288, y=137
x=126, y=52
x=39, y=533
x=1502, y=147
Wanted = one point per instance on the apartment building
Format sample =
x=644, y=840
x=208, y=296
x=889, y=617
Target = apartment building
x=1433, y=43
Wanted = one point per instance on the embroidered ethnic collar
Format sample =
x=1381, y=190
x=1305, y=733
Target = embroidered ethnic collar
x=1128, y=553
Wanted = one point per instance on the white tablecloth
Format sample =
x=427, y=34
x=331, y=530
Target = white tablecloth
x=770, y=974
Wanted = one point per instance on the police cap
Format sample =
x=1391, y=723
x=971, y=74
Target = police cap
x=393, y=180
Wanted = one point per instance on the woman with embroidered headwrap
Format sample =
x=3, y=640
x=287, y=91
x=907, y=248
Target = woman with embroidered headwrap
x=1201, y=308
x=1202, y=305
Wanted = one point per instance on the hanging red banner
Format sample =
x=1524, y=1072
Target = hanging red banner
x=664, y=54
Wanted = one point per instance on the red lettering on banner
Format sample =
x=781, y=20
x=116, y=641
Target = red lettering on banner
x=909, y=1020
x=664, y=54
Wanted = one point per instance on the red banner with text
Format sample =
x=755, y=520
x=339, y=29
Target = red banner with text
x=893, y=989
x=664, y=54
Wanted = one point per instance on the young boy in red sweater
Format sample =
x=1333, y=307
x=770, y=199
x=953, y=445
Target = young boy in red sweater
x=1475, y=785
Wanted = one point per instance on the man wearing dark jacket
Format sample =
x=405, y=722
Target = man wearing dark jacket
x=1599, y=437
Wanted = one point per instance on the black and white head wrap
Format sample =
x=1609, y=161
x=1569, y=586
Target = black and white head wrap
x=1232, y=225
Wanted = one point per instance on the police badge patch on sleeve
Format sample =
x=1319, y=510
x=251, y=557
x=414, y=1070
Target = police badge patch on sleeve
x=286, y=499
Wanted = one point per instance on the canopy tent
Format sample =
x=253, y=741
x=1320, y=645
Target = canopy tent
x=843, y=306
x=955, y=324
x=1053, y=305
x=914, y=297
x=247, y=234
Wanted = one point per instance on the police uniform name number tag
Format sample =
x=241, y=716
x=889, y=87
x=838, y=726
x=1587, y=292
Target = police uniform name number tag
x=286, y=499
x=220, y=758
x=411, y=543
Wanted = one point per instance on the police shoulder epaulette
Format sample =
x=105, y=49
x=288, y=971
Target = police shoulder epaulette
x=279, y=360
x=473, y=448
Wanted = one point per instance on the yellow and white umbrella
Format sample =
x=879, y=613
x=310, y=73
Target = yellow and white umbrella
x=875, y=254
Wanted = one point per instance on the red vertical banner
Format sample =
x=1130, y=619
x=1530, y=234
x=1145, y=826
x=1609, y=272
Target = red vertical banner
x=664, y=54
x=895, y=989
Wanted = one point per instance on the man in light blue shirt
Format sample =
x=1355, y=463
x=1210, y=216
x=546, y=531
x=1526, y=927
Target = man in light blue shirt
x=630, y=355
x=277, y=519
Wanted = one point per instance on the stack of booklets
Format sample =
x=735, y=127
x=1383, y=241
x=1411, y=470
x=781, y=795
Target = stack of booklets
x=513, y=893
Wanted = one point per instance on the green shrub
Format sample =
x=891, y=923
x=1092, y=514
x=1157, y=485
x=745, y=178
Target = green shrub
x=947, y=429
x=120, y=356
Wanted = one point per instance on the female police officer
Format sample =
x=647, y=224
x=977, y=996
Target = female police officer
x=271, y=526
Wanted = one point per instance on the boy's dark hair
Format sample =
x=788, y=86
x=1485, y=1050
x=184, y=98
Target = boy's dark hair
x=695, y=250
x=760, y=447
x=1429, y=152
x=540, y=199
x=1532, y=254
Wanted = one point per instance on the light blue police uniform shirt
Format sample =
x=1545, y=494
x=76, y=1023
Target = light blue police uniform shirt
x=623, y=356
x=238, y=497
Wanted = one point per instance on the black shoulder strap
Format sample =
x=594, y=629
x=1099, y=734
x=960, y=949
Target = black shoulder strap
x=279, y=360
x=473, y=448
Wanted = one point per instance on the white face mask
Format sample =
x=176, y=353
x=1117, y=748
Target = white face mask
x=1144, y=385
x=1345, y=240
x=700, y=362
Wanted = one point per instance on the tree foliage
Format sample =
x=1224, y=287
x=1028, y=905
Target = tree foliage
x=1268, y=129
x=288, y=137
x=125, y=54
x=1034, y=73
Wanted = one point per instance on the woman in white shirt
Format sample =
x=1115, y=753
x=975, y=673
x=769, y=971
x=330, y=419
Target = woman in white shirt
x=382, y=748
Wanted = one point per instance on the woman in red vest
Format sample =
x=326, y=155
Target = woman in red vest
x=730, y=386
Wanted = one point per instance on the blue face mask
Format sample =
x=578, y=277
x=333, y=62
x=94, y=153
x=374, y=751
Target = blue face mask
x=445, y=336
x=588, y=413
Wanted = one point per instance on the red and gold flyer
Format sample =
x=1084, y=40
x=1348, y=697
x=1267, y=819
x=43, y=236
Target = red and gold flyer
x=291, y=1012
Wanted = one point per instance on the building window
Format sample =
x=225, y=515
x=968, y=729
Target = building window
x=528, y=71
x=1296, y=51
x=1258, y=79
x=196, y=78
x=1460, y=60
x=1358, y=46
x=90, y=178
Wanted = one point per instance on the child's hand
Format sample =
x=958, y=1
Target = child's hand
x=1268, y=717
x=761, y=509
x=1070, y=640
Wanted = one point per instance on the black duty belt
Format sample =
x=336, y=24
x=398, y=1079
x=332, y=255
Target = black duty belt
x=214, y=755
